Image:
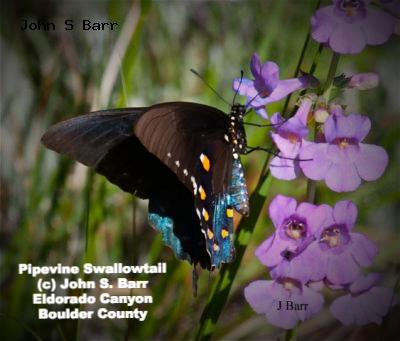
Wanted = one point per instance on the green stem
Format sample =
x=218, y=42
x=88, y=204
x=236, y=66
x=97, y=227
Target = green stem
x=326, y=90
x=291, y=334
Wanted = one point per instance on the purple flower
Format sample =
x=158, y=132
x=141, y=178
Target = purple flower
x=338, y=253
x=295, y=227
x=364, y=303
x=348, y=25
x=360, y=81
x=288, y=137
x=284, y=301
x=343, y=161
x=266, y=86
x=363, y=81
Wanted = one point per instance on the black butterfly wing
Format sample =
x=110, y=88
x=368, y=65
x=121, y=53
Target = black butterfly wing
x=190, y=139
x=178, y=133
x=105, y=140
x=88, y=138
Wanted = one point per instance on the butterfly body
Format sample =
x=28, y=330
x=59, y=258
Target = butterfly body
x=183, y=157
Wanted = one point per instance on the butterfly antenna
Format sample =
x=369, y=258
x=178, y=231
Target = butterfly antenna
x=209, y=86
x=237, y=90
x=252, y=99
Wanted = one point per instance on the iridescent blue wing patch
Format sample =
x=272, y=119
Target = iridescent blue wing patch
x=238, y=188
x=219, y=233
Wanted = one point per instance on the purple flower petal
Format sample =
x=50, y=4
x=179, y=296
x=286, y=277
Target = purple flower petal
x=262, y=112
x=287, y=147
x=265, y=297
x=347, y=39
x=365, y=251
x=336, y=109
x=340, y=310
x=319, y=218
x=269, y=77
x=322, y=24
x=363, y=283
x=257, y=290
x=306, y=266
x=363, y=81
x=269, y=251
x=360, y=126
x=342, y=269
x=367, y=304
x=377, y=27
x=277, y=119
x=317, y=165
x=292, y=129
x=354, y=126
x=244, y=86
x=255, y=65
x=281, y=207
x=284, y=169
x=371, y=161
x=345, y=213
x=342, y=177
x=310, y=263
x=382, y=299
x=304, y=110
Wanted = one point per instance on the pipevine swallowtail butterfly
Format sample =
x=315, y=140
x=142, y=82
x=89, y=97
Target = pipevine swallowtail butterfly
x=184, y=157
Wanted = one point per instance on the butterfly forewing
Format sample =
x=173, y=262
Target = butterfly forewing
x=88, y=138
x=179, y=132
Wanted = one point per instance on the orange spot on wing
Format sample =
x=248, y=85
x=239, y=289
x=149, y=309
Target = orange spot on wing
x=224, y=233
x=202, y=193
x=205, y=161
x=206, y=216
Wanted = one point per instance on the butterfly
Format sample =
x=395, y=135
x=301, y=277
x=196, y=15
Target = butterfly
x=184, y=157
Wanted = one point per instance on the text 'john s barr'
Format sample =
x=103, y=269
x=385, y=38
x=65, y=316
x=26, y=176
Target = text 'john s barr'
x=69, y=24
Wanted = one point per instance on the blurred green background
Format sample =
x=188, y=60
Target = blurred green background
x=54, y=210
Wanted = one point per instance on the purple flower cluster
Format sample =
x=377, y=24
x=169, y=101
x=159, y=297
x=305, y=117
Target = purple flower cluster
x=339, y=157
x=311, y=246
x=314, y=245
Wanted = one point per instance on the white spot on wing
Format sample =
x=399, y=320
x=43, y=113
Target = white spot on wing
x=194, y=184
